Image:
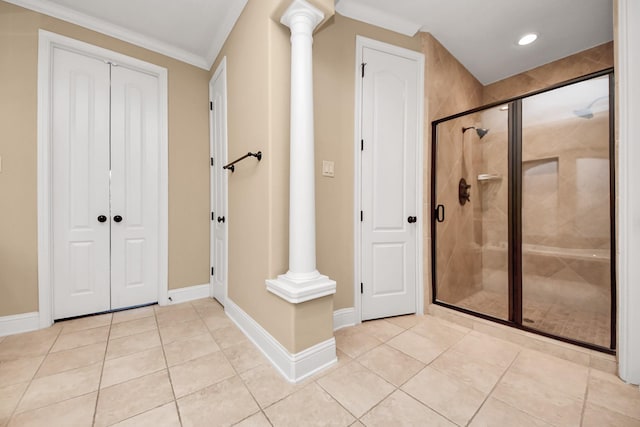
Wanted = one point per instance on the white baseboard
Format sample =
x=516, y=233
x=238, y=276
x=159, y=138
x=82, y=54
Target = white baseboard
x=294, y=367
x=18, y=323
x=190, y=293
x=343, y=318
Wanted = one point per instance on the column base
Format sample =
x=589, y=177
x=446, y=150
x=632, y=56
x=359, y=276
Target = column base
x=296, y=291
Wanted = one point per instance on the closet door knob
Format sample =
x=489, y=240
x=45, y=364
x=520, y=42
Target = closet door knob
x=102, y=218
x=117, y=218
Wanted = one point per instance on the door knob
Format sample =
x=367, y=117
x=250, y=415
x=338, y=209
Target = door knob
x=220, y=219
x=117, y=218
x=102, y=218
x=412, y=219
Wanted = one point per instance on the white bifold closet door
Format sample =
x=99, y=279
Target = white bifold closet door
x=105, y=185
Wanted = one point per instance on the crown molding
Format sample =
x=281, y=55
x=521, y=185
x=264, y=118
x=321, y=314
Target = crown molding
x=233, y=13
x=369, y=15
x=133, y=37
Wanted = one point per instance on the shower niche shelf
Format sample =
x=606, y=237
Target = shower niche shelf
x=489, y=177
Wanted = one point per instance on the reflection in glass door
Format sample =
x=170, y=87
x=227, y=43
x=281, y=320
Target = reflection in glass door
x=522, y=228
x=566, y=227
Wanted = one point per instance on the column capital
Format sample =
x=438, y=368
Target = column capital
x=302, y=8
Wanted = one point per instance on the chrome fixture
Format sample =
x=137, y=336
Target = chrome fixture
x=480, y=131
x=587, y=112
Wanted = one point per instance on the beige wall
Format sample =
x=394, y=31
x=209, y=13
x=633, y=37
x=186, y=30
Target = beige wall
x=258, y=118
x=334, y=91
x=258, y=81
x=188, y=153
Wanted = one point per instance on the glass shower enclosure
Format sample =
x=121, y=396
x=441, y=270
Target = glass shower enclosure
x=522, y=223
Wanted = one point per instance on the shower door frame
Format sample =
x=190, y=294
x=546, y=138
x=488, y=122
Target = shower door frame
x=515, y=211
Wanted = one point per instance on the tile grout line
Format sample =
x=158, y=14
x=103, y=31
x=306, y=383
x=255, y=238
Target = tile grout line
x=586, y=396
x=355, y=360
x=200, y=316
x=399, y=387
x=148, y=374
x=13, y=413
x=166, y=364
x=104, y=361
x=493, y=389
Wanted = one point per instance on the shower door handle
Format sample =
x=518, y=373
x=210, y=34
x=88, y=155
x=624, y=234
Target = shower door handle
x=439, y=213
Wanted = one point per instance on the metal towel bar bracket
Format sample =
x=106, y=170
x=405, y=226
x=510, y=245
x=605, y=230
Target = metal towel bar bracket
x=231, y=166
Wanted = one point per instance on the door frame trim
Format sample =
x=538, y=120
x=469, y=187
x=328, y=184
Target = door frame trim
x=47, y=41
x=362, y=42
x=221, y=72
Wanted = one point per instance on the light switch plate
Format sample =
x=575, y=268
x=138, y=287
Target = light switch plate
x=328, y=168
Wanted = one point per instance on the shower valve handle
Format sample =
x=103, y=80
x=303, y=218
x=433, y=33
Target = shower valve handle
x=463, y=192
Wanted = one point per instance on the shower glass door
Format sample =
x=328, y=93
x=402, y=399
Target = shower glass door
x=522, y=229
x=471, y=268
x=566, y=212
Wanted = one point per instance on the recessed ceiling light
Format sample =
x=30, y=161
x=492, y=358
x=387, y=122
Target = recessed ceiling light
x=527, y=39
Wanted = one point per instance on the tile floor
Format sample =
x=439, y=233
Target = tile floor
x=189, y=365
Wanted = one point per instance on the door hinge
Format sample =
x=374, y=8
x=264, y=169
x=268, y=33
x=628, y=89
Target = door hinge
x=210, y=105
x=362, y=145
x=361, y=216
x=361, y=288
x=364, y=64
x=212, y=216
x=211, y=161
x=213, y=269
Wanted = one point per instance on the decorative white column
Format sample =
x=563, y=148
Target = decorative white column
x=302, y=282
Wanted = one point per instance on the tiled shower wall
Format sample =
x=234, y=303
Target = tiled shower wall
x=450, y=89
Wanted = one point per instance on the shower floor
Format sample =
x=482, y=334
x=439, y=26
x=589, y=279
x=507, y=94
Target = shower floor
x=554, y=318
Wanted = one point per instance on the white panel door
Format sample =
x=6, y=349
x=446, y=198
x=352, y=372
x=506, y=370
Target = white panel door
x=389, y=186
x=134, y=187
x=219, y=186
x=105, y=186
x=80, y=148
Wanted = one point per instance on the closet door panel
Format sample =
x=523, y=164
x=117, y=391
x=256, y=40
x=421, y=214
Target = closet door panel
x=80, y=184
x=134, y=187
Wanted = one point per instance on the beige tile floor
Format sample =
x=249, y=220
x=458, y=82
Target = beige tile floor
x=188, y=365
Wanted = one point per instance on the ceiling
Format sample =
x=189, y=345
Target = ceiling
x=482, y=34
x=192, y=31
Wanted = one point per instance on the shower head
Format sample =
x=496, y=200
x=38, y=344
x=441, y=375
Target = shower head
x=584, y=113
x=480, y=131
x=587, y=112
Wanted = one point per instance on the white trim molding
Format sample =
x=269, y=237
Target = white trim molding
x=233, y=14
x=370, y=15
x=67, y=14
x=362, y=42
x=628, y=252
x=189, y=293
x=101, y=26
x=19, y=323
x=47, y=41
x=297, y=291
x=344, y=318
x=294, y=367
